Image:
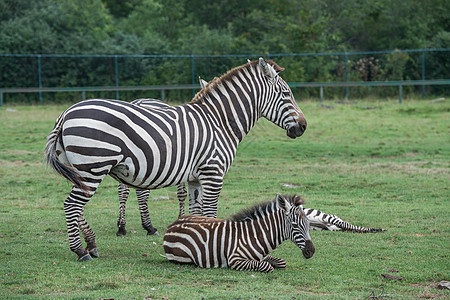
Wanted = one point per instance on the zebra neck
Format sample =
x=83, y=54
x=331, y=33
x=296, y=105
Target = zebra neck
x=274, y=229
x=233, y=108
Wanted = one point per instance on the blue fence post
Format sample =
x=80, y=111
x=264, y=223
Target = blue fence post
x=423, y=73
x=321, y=94
x=40, y=78
x=192, y=74
x=117, y=75
x=346, y=74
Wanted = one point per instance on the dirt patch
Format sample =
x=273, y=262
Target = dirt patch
x=413, y=167
x=20, y=152
x=313, y=293
x=409, y=154
x=429, y=291
x=19, y=163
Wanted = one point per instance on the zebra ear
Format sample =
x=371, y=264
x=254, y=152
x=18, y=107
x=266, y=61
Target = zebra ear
x=283, y=203
x=266, y=68
x=203, y=83
x=298, y=200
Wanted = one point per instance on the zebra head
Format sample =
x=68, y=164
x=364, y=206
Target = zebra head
x=296, y=223
x=281, y=107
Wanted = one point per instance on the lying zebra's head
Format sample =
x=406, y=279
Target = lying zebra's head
x=281, y=107
x=297, y=224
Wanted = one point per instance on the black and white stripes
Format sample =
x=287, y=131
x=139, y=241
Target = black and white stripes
x=194, y=143
x=322, y=221
x=242, y=242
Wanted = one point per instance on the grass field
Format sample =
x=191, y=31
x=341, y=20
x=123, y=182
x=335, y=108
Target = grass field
x=379, y=164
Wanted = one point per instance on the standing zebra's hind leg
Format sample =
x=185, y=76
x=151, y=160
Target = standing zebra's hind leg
x=124, y=191
x=275, y=262
x=142, y=196
x=89, y=236
x=73, y=209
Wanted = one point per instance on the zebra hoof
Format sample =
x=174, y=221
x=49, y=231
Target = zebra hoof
x=121, y=232
x=85, y=257
x=154, y=231
x=94, y=252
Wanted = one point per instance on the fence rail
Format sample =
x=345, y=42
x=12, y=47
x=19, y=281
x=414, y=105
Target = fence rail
x=163, y=88
x=44, y=71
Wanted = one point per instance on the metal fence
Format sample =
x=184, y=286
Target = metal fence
x=54, y=73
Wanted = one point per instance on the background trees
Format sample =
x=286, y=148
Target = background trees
x=217, y=27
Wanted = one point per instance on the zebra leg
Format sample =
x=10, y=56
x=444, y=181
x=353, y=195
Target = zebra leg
x=209, y=195
x=181, y=195
x=195, y=199
x=244, y=264
x=123, y=191
x=73, y=209
x=275, y=262
x=89, y=236
x=142, y=196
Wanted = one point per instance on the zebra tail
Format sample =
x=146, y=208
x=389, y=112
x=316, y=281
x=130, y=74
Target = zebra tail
x=53, y=161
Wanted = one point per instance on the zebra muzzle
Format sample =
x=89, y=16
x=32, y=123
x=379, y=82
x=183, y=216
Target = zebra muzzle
x=309, y=249
x=296, y=130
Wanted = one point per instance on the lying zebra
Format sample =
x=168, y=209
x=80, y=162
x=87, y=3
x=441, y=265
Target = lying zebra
x=242, y=242
x=322, y=221
x=318, y=220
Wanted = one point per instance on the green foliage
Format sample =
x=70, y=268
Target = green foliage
x=218, y=27
x=286, y=26
x=384, y=167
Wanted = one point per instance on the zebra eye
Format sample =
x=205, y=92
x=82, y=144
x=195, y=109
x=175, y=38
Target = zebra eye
x=286, y=94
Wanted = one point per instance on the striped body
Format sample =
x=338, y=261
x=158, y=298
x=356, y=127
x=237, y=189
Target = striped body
x=143, y=195
x=242, y=242
x=148, y=149
x=139, y=148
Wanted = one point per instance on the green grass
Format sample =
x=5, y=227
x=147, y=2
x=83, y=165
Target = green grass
x=385, y=167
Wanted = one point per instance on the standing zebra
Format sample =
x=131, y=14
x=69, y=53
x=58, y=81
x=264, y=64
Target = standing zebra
x=242, y=242
x=194, y=142
x=142, y=195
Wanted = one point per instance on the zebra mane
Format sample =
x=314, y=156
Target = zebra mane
x=227, y=76
x=264, y=209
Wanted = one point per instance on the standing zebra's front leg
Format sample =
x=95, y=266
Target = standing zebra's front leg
x=275, y=262
x=181, y=194
x=142, y=196
x=195, y=200
x=124, y=191
x=210, y=191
